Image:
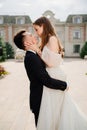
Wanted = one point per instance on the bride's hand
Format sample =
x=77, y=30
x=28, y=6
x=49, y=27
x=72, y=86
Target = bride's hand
x=31, y=43
x=67, y=88
x=33, y=47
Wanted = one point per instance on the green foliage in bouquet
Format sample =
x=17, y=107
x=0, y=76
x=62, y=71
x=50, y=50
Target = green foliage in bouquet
x=3, y=71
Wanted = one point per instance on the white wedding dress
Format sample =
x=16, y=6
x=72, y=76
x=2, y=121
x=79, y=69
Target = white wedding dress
x=58, y=111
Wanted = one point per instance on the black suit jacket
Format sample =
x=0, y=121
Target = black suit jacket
x=38, y=77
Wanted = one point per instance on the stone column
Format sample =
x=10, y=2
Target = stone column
x=86, y=33
x=66, y=39
x=10, y=34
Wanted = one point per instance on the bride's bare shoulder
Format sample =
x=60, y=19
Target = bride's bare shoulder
x=52, y=44
x=52, y=38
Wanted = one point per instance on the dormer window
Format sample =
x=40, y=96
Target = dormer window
x=1, y=20
x=20, y=20
x=48, y=16
x=77, y=19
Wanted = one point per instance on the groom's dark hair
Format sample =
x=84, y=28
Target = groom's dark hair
x=18, y=39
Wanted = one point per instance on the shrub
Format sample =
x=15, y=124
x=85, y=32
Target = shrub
x=9, y=51
x=2, y=50
x=83, y=50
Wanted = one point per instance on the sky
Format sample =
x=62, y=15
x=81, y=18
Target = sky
x=35, y=8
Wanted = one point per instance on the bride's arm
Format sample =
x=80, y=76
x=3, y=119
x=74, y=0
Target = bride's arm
x=46, y=62
x=53, y=44
x=50, y=55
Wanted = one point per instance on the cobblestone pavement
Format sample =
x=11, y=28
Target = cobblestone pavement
x=14, y=93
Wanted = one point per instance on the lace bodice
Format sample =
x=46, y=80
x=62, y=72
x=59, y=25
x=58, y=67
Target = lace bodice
x=51, y=58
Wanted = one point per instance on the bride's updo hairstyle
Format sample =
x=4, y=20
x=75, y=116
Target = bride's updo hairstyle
x=48, y=31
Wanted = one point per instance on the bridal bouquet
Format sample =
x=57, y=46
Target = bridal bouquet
x=3, y=72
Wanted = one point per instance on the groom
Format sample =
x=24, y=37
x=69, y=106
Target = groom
x=37, y=73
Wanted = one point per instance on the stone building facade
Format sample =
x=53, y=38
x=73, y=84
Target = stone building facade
x=10, y=25
x=72, y=32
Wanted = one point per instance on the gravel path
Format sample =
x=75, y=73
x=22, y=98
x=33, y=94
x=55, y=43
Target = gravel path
x=14, y=93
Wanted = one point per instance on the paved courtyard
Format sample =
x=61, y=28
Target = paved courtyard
x=14, y=93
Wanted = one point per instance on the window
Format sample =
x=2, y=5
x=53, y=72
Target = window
x=20, y=21
x=1, y=33
x=60, y=33
x=1, y=20
x=76, y=35
x=77, y=19
x=76, y=48
x=31, y=30
x=48, y=16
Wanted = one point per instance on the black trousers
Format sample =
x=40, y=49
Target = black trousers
x=36, y=114
x=36, y=118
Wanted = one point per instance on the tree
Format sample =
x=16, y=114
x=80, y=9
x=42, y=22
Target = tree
x=9, y=51
x=2, y=50
x=83, y=50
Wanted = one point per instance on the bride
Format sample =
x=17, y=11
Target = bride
x=58, y=111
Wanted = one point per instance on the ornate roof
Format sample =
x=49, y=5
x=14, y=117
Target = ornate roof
x=8, y=19
x=48, y=12
x=70, y=18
